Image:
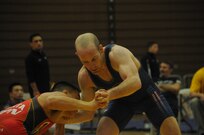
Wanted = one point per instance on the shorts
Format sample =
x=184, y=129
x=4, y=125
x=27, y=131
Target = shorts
x=152, y=103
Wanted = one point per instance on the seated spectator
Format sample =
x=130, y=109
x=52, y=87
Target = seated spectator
x=16, y=92
x=197, y=103
x=169, y=85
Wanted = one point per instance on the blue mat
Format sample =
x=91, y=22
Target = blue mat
x=78, y=134
x=188, y=126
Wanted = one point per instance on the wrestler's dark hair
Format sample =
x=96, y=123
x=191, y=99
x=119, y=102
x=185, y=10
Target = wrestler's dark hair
x=62, y=85
x=149, y=44
x=34, y=35
x=10, y=88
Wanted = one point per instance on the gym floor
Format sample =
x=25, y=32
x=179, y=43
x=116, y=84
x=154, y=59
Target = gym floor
x=127, y=133
x=88, y=131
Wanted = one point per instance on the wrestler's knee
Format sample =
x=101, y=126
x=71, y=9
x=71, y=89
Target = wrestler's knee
x=170, y=127
x=107, y=126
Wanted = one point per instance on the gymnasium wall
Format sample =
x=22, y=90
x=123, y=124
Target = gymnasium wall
x=177, y=25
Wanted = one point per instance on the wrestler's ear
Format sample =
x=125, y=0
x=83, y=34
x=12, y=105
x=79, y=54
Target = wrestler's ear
x=101, y=48
x=65, y=91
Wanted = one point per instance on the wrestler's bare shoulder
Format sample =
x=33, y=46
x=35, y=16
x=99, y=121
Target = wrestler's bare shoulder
x=118, y=49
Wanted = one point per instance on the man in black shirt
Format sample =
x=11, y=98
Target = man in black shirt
x=169, y=85
x=37, y=68
x=149, y=61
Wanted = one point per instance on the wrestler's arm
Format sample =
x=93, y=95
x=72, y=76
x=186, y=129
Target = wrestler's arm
x=87, y=94
x=63, y=103
x=81, y=116
x=124, y=62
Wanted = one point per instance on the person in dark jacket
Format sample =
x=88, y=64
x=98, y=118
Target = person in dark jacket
x=150, y=62
x=37, y=67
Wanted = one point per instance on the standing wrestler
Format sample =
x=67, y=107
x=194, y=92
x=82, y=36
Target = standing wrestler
x=35, y=116
x=114, y=68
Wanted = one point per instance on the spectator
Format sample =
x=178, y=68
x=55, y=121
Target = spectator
x=169, y=85
x=150, y=62
x=15, y=94
x=197, y=103
x=37, y=67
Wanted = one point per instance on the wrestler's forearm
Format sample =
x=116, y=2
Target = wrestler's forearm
x=80, y=117
x=126, y=88
x=63, y=103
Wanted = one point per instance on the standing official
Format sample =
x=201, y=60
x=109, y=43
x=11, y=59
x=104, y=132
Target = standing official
x=37, y=67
